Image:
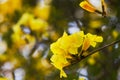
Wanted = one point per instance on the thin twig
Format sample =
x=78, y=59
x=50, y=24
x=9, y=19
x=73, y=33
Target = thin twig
x=92, y=52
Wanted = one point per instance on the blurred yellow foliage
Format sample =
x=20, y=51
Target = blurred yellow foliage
x=3, y=57
x=54, y=35
x=27, y=20
x=42, y=11
x=35, y=24
x=92, y=60
x=115, y=33
x=95, y=24
x=3, y=78
x=38, y=25
x=9, y=6
x=21, y=40
x=82, y=78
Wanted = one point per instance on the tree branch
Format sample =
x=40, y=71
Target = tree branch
x=92, y=52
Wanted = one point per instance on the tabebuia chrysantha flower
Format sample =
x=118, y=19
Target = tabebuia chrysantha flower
x=68, y=45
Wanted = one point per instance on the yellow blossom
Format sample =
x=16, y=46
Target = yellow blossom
x=74, y=42
x=91, y=40
x=98, y=6
x=85, y=5
x=68, y=45
x=63, y=48
x=60, y=61
x=71, y=43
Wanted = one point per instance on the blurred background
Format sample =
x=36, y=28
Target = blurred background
x=28, y=27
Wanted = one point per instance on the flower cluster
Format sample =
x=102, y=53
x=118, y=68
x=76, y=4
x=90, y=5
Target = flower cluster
x=29, y=23
x=68, y=45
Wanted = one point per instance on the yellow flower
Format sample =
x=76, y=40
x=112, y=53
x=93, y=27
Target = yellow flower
x=91, y=40
x=60, y=61
x=98, y=6
x=85, y=5
x=55, y=47
x=86, y=44
x=63, y=48
x=68, y=45
x=71, y=43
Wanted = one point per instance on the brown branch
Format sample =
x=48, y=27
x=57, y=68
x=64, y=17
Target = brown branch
x=92, y=52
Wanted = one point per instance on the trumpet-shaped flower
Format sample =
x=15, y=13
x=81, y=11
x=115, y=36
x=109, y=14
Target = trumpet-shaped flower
x=63, y=48
x=68, y=45
x=60, y=61
x=73, y=42
x=91, y=40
